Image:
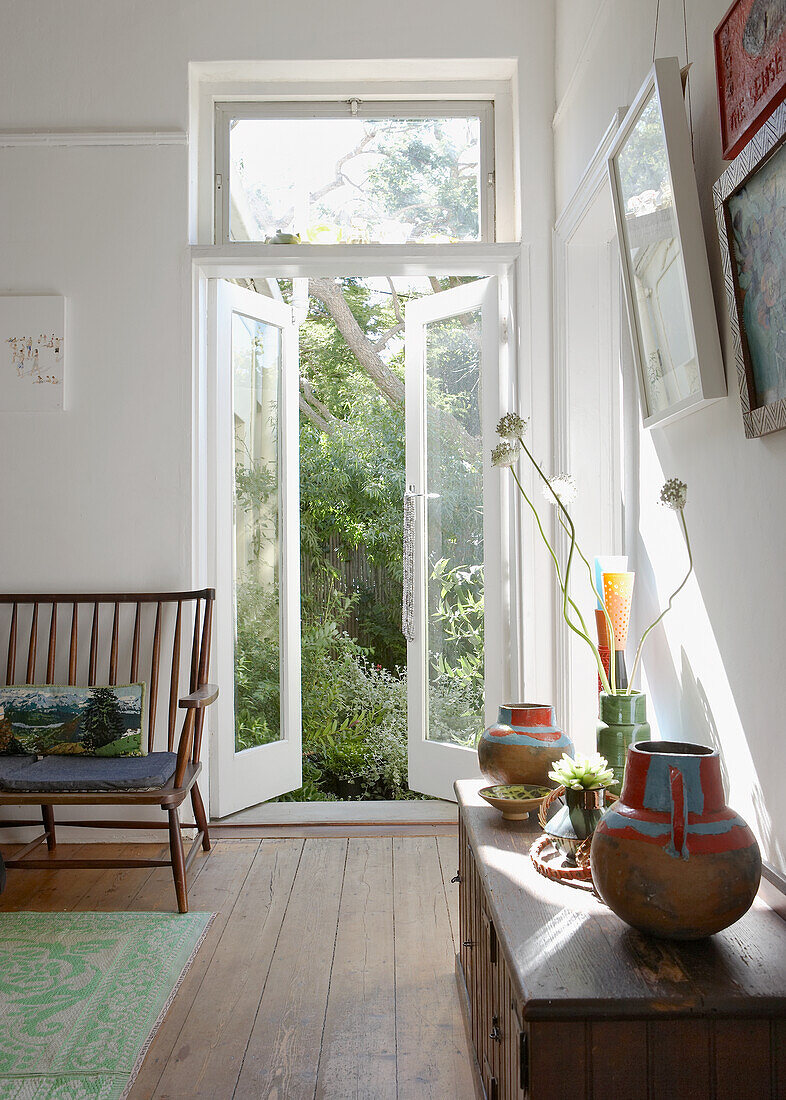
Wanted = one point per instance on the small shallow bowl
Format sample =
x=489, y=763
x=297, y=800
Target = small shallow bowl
x=515, y=801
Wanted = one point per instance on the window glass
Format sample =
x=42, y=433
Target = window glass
x=355, y=180
x=256, y=373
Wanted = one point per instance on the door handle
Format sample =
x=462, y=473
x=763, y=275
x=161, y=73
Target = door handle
x=408, y=595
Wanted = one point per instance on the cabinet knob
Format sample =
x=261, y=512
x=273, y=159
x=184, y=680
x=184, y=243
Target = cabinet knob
x=468, y=943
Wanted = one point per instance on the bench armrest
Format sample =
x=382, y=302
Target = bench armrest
x=202, y=697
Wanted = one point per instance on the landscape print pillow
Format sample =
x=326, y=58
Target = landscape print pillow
x=49, y=720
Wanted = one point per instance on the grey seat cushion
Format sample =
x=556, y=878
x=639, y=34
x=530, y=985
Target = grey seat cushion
x=90, y=774
x=12, y=765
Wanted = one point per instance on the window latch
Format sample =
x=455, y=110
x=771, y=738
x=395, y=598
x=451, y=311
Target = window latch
x=219, y=181
x=353, y=105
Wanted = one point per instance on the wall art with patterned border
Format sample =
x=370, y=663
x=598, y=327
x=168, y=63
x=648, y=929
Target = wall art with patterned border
x=750, y=207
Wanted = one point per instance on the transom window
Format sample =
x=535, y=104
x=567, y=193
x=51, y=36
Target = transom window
x=355, y=172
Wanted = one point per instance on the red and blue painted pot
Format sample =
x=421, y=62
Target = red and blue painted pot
x=670, y=857
x=523, y=745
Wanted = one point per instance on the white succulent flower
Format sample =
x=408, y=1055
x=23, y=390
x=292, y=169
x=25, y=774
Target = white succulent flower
x=582, y=773
x=564, y=488
x=674, y=494
x=511, y=426
x=505, y=454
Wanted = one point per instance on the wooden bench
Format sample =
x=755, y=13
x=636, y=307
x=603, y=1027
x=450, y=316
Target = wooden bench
x=162, y=638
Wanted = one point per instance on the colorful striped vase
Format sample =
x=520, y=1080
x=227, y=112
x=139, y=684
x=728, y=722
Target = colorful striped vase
x=670, y=858
x=523, y=745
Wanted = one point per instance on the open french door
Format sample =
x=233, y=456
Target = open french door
x=254, y=458
x=456, y=654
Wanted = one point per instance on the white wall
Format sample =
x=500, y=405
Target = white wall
x=100, y=496
x=714, y=673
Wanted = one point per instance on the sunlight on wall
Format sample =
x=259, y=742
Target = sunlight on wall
x=693, y=701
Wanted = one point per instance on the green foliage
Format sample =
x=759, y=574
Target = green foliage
x=642, y=163
x=426, y=176
x=256, y=667
x=352, y=481
x=102, y=722
x=458, y=622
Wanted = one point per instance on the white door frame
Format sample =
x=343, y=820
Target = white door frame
x=303, y=261
x=590, y=189
x=434, y=765
x=256, y=774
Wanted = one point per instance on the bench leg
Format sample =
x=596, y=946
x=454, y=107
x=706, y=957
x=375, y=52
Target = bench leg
x=200, y=817
x=178, y=860
x=48, y=814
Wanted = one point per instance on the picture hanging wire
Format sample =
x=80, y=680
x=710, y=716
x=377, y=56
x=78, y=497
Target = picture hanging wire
x=686, y=77
x=686, y=70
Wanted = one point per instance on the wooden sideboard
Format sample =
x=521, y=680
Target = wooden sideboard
x=563, y=1001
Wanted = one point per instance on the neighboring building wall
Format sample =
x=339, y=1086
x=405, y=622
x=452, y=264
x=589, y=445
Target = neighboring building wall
x=715, y=672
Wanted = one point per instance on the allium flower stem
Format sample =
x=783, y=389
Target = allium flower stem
x=672, y=597
x=566, y=599
x=609, y=624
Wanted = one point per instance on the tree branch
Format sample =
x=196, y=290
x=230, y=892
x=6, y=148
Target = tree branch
x=340, y=179
x=381, y=340
x=387, y=381
x=396, y=301
x=314, y=416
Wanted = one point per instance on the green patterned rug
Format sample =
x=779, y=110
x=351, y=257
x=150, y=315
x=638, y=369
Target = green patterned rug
x=82, y=995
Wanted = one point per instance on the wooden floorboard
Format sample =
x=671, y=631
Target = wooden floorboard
x=359, y=1041
x=208, y=1054
x=431, y=1051
x=327, y=972
x=216, y=890
x=447, y=850
x=282, y=1056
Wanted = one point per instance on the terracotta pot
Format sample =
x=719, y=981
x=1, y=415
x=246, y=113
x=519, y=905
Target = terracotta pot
x=575, y=821
x=523, y=744
x=623, y=720
x=670, y=857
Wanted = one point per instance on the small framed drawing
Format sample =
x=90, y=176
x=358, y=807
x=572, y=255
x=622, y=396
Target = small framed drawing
x=32, y=353
x=674, y=329
x=750, y=206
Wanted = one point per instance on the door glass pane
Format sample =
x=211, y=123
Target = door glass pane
x=256, y=372
x=454, y=510
x=355, y=180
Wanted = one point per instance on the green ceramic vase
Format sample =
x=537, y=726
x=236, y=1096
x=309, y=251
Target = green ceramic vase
x=623, y=721
x=575, y=821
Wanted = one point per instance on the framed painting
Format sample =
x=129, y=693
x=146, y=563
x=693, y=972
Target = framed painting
x=750, y=68
x=674, y=328
x=32, y=353
x=750, y=207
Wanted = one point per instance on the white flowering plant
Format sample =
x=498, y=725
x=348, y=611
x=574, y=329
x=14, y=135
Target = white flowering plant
x=582, y=773
x=561, y=490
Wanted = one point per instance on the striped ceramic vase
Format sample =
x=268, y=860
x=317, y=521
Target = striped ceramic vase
x=670, y=857
x=522, y=745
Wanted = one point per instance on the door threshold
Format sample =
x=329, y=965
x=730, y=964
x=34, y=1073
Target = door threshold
x=430, y=812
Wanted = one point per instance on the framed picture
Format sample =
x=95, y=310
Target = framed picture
x=750, y=68
x=750, y=206
x=32, y=353
x=674, y=329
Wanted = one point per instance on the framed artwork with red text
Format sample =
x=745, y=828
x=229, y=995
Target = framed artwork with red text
x=750, y=65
